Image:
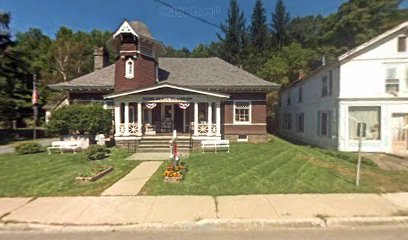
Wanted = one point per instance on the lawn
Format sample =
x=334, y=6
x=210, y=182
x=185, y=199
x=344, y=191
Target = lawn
x=53, y=175
x=276, y=167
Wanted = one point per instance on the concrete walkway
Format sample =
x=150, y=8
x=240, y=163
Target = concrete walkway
x=293, y=210
x=155, y=156
x=131, y=184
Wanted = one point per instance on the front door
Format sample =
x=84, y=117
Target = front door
x=167, y=117
x=399, y=133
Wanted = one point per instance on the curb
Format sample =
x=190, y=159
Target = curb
x=214, y=224
x=366, y=221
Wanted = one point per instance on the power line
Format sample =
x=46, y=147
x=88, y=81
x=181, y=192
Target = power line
x=187, y=14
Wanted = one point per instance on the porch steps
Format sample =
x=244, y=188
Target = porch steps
x=161, y=144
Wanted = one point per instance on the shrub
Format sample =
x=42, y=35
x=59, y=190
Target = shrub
x=96, y=152
x=77, y=118
x=28, y=147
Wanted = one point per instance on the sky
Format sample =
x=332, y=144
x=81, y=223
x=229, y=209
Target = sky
x=166, y=25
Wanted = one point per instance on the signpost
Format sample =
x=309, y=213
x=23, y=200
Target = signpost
x=361, y=133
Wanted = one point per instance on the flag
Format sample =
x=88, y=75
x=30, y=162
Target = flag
x=36, y=95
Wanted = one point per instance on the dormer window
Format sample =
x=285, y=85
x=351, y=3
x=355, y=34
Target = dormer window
x=130, y=69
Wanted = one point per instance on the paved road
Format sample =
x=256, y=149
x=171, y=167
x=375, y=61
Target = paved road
x=366, y=233
x=44, y=142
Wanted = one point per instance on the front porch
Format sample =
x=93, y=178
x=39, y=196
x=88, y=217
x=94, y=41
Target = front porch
x=135, y=119
x=161, y=109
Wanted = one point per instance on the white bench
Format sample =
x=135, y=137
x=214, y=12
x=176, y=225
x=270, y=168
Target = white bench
x=215, y=144
x=64, y=145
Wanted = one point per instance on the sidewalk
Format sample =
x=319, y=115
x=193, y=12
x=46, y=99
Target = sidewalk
x=306, y=210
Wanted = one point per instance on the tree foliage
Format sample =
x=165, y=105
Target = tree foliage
x=234, y=40
x=280, y=22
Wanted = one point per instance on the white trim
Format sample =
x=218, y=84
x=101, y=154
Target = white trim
x=248, y=124
x=127, y=138
x=242, y=140
x=128, y=67
x=125, y=28
x=249, y=113
x=169, y=86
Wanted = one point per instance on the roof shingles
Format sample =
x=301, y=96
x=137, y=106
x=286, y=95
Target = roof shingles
x=209, y=73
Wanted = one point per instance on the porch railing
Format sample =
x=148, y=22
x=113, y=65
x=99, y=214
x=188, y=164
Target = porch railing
x=203, y=129
x=132, y=129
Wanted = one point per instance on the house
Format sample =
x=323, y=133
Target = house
x=150, y=94
x=368, y=84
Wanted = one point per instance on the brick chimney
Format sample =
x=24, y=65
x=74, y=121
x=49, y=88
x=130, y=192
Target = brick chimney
x=100, y=58
x=301, y=75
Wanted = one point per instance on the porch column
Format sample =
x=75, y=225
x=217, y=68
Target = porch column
x=184, y=120
x=139, y=118
x=195, y=119
x=218, y=118
x=209, y=119
x=117, y=118
x=126, y=119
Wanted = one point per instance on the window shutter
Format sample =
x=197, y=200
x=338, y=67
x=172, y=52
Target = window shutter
x=330, y=82
x=318, y=123
x=329, y=124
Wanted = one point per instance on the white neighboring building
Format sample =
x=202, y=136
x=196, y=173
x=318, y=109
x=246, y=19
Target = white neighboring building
x=367, y=84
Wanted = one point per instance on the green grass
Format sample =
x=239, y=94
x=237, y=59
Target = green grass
x=53, y=175
x=276, y=167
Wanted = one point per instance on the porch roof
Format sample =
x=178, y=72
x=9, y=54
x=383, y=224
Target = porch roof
x=166, y=85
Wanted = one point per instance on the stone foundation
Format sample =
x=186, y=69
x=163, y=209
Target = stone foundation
x=126, y=144
x=251, y=138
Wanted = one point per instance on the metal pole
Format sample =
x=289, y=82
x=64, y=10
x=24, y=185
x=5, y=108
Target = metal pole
x=358, y=161
x=35, y=109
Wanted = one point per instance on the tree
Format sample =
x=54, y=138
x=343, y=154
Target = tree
x=306, y=31
x=259, y=27
x=178, y=53
x=76, y=118
x=357, y=21
x=284, y=66
x=15, y=78
x=280, y=21
x=234, y=41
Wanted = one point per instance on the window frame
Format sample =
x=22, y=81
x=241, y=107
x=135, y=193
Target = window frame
x=287, y=121
x=249, y=113
x=302, y=128
x=300, y=94
x=392, y=80
x=127, y=75
x=380, y=130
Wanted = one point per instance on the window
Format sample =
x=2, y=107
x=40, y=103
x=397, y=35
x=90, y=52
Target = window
x=242, y=138
x=368, y=115
x=129, y=69
x=242, y=112
x=391, y=80
x=324, y=123
x=330, y=83
x=324, y=86
x=402, y=44
x=287, y=121
x=289, y=100
x=300, y=95
x=300, y=122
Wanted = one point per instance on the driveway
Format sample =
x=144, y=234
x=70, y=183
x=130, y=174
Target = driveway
x=43, y=142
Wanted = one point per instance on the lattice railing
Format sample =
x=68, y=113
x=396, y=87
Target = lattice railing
x=203, y=129
x=132, y=129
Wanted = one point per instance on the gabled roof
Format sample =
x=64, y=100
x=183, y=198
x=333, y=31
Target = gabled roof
x=166, y=85
x=369, y=43
x=198, y=73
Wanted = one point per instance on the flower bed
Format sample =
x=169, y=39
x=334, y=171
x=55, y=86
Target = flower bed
x=94, y=174
x=175, y=173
